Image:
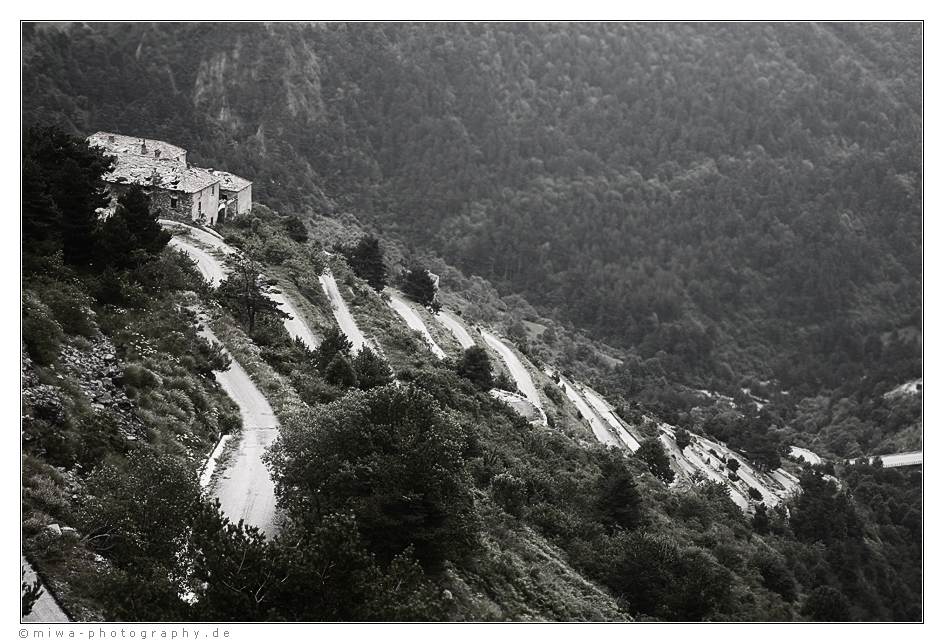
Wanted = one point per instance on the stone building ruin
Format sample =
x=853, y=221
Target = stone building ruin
x=179, y=190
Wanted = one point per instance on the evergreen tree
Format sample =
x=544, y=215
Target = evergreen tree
x=619, y=501
x=132, y=235
x=340, y=373
x=654, y=455
x=372, y=370
x=246, y=292
x=417, y=285
x=476, y=366
x=63, y=192
x=334, y=343
x=366, y=260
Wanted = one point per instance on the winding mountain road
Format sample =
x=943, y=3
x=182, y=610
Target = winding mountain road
x=456, y=328
x=244, y=488
x=208, y=266
x=603, y=409
x=897, y=460
x=517, y=369
x=807, y=455
x=215, y=272
x=295, y=324
x=416, y=323
x=341, y=312
x=596, y=425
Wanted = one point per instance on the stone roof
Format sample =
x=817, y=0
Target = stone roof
x=196, y=179
x=135, y=146
x=230, y=182
x=147, y=162
x=147, y=172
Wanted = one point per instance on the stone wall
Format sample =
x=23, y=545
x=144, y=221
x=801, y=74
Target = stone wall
x=204, y=204
x=161, y=199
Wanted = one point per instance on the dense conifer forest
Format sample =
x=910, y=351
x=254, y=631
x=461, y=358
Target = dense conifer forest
x=719, y=226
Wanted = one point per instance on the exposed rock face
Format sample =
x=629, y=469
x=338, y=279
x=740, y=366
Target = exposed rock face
x=274, y=61
x=98, y=376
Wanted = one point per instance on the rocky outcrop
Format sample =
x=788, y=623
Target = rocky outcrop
x=97, y=376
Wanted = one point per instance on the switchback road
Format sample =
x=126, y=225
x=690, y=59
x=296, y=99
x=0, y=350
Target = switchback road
x=415, y=322
x=244, y=488
x=341, y=312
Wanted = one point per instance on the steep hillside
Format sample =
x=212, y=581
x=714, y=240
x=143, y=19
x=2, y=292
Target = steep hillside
x=731, y=203
x=715, y=227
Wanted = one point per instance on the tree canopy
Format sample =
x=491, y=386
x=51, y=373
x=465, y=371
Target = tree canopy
x=390, y=457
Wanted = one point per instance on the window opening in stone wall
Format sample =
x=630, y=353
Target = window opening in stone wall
x=173, y=202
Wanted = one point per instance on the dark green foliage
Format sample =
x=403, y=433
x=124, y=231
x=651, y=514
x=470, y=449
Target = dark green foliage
x=510, y=492
x=476, y=366
x=619, y=502
x=822, y=512
x=554, y=394
x=63, y=189
x=417, y=285
x=42, y=335
x=99, y=436
x=733, y=464
x=760, y=523
x=391, y=458
x=657, y=578
x=775, y=574
x=372, y=371
x=295, y=228
x=340, y=373
x=750, y=435
x=141, y=510
x=656, y=458
x=366, y=260
x=334, y=343
x=246, y=292
x=131, y=235
x=683, y=439
x=826, y=604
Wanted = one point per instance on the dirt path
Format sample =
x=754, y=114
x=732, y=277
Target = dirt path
x=244, y=488
x=45, y=610
x=455, y=327
x=416, y=323
x=607, y=414
x=341, y=312
x=208, y=265
x=517, y=369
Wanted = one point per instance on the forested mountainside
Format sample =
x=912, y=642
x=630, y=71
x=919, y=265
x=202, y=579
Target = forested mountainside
x=717, y=226
x=427, y=498
x=726, y=199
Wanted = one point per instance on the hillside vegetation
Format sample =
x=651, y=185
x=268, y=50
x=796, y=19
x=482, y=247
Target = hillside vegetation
x=734, y=253
x=732, y=203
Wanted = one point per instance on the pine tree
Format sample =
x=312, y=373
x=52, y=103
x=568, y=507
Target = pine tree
x=247, y=294
x=417, y=285
x=475, y=365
